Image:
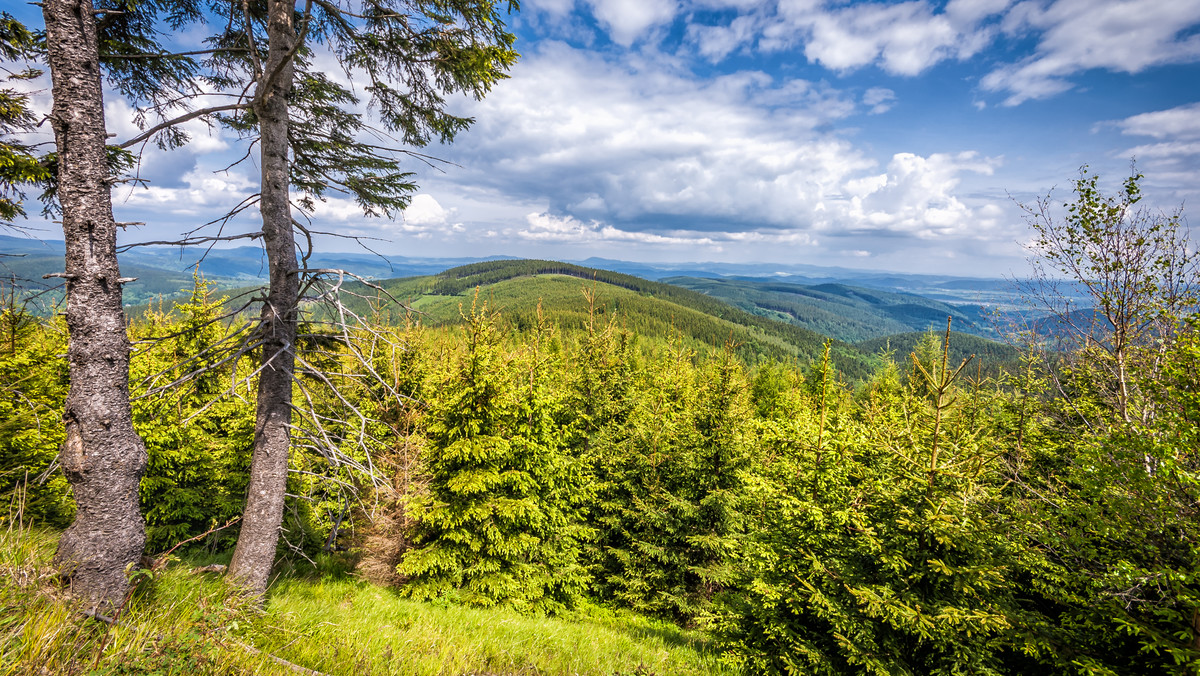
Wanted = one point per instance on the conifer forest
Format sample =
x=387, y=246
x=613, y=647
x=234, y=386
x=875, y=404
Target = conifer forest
x=532, y=467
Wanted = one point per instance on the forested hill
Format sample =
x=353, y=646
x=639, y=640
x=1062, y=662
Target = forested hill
x=989, y=355
x=844, y=312
x=651, y=309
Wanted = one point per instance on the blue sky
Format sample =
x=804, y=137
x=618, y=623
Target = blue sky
x=888, y=135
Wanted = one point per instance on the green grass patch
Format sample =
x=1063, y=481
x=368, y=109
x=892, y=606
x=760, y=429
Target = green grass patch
x=351, y=627
x=180, y=622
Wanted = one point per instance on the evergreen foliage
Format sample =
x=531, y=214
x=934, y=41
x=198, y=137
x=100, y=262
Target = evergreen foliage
x=33, y=386
x=879, y=554
x=19, y=167
x=989, y=357
x=497, y=523
x=198, y=437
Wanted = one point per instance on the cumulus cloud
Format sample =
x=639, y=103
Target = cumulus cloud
x=626, y=153
x=628, y=20
x=715, y=42
x=424, y=211
x=202, y=193
x=905, y=38
x=650, y=145
x=916, y=196
x=1126, y=36
x=544, y=227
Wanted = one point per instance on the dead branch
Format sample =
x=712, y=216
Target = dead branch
x=191, y=241
x=162, y=560
x=279, y=660
x=148, y=134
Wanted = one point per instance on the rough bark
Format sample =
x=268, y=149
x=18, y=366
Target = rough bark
x=255, y=551
x=103, y=456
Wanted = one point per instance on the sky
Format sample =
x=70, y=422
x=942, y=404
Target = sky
x=883, y=135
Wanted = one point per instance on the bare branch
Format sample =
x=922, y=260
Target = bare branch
x=191, y=241
x=148, y=134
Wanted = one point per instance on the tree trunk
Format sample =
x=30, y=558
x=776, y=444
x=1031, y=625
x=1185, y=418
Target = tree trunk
x=255, y=551
x=103, y=456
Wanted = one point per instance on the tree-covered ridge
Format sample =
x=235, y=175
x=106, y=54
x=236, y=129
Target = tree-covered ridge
x=841, y=311
x=989, y=355
x=653, y=310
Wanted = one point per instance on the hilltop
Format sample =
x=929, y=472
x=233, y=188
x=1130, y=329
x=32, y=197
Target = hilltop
x=653, y=310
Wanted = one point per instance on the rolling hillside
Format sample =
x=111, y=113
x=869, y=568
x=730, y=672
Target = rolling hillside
x=152, y=283
x=651, y=309
x=989, y=355
x=849, y=313
x=166, y=272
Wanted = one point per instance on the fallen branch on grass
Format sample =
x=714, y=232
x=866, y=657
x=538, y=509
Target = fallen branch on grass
x=280, y=661
x=245, y=646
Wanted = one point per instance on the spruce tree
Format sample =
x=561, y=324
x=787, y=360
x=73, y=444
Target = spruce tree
x=197, y=434
x=103, y=457
x=882, y=555
x=499, y=525
x=408, y=59
x=19, y=167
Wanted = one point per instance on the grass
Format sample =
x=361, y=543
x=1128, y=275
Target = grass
x=351, y=627
x=185, y=623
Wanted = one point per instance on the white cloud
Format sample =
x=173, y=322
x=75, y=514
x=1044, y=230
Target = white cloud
x=628, y=20
x=120, y=120
x=1159, y=151
x=717, y=42
x=655, y=156
x=968, y=12
x=1126, y=36
x=204, y=194
x=903, y=38
x=907, y=38
x=546, y=227
x=1170, y=162
x=655, y=143
x=916, y=196
x=1179, y=122
x=424, y=211
x=553, y=7
x=879, y=100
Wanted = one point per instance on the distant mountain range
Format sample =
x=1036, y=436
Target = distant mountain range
x=657, y=312
x=844, y=303
x=248, y=263
x=244, y=263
